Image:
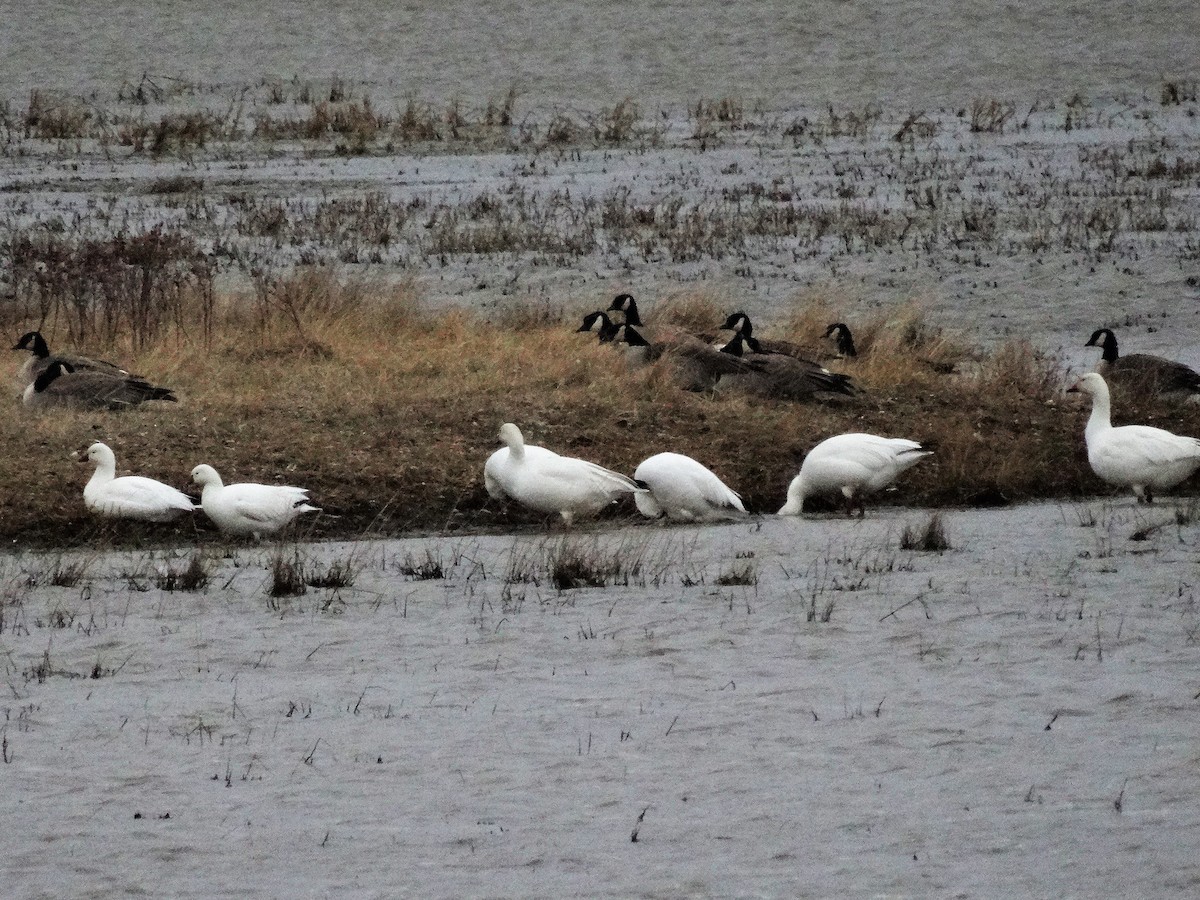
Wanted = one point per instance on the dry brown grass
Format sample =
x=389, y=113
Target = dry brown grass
x=387, y=412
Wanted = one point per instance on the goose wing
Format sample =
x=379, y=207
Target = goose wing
x=139, y=497
x=1154, y=373
x=1146, y=447
x=264, y=503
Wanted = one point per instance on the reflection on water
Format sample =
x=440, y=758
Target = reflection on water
x=785, y=52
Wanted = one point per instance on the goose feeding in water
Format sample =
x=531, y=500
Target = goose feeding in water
x=42, y=359
x=1140, y=457
x=854, y=464
x=249, y=509
x=61, y=385
x=130, y=496
x=680, y=488
x=1143, y=373
x=543, y=481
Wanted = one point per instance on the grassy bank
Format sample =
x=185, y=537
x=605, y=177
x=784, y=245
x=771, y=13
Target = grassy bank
x=387, y=413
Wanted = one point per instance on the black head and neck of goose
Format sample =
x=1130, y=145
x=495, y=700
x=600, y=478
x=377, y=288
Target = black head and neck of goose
x=624, y=303
x=845, y=340
x=53, y=371
x=1106, y=341
x=627, y=334
x=34, y=343
x=600, y=323
x=736, y=347
x=739, y=322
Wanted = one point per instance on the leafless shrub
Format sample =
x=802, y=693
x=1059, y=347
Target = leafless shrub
x=989, y=116
x=56, y=117
x=1179, y=91
x=340, y=573
x=426, y=568
x=287, y=576
x=928, y=538
x=741, y=573
x=135, y=284
x=192, y=577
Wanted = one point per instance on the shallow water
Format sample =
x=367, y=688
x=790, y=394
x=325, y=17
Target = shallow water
x=1010, y=718
x=657, y=51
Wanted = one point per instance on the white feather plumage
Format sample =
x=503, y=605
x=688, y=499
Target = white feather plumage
x=853, y=464
x=130, y=496
x=249, y=509
x=1140, y=457
x=548, y=483
x=681, y=488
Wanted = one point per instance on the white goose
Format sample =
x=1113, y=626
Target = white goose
x=1141, y=457
x=249, y=509
x=681, y=488
x=130, y=496
x=548, y=483
x=855, y=464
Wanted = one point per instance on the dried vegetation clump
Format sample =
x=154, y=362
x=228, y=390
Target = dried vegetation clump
x=387, y=411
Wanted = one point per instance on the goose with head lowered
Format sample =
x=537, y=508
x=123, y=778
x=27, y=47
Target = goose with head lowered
x=599, y=324
x=853, y=465
x=1140, y=457
x=42, y=359
x=739, y=323
x=678, y=487
x=249, y=509
x=545, y=482
x=130, y=496
x=695, y=365
x=61, y=385
x=784, y=377
x=1143, y=373
x=844, y=338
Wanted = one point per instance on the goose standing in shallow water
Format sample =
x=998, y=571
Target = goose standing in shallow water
x=854, y=464
x=1143, y=373
x=61, y=385
x=130, y=496
x=1140, y=457
x=249, y=509
x=42, y=359
x=548, y=483
x=680, y=488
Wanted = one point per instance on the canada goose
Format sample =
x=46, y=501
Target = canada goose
x=249, y=509
x=41, y=360
x=61, y=385
x=130, y=496
x=548, y=483
x=840, y=332
x=680, y=488
x=740, y=323
x=1141, y=457
x=855, y=464
x=696, y=365
x=784, y=377
x=1142, y=372
x=600, y=324
x=624, y=303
